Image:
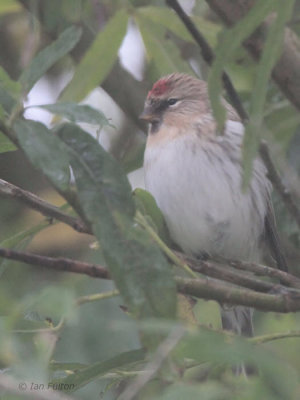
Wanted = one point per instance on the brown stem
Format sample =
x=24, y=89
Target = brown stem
x=214, y=290
x=287, y=300
x=36, y=203
x=58, y=264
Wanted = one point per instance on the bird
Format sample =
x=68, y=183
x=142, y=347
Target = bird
x=195, y=174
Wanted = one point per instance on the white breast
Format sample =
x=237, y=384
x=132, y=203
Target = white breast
x=197, y=185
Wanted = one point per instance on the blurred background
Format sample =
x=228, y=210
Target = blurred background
x=147, y=44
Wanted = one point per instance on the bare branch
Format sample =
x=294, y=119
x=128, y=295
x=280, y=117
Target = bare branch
x=58, y=264
x=222, y=271
x=36, y=203
x=286, y=300
x=216, y=290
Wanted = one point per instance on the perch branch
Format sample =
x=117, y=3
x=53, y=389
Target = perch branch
x=36, y=203
x=287, y=300
x=58, y=264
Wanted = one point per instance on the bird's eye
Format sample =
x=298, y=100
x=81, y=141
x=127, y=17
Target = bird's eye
x=171, y=101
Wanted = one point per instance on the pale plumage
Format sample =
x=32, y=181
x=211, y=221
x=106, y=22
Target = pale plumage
x=195, y=176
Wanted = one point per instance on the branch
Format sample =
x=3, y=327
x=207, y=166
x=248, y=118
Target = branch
x=208, y=56
x=274, y=336
x=58, y=264
x=286, y=72
x=36, y=203
x=288, y=300
x=223, y=272
x=215, y=290
x=278, y=184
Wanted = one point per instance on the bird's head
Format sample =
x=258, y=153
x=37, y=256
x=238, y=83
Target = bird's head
x=174, y=100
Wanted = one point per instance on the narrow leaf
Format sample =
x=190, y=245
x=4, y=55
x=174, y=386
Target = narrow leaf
x=10, y=91
x=98, y=59
x=229, y=42
x=49, y=56
x=268, y=59
x=9, y=6
x=96, y=370
x=140, y=271
x=6, y=144
x=161, y=50
x=77, y=113
x=45, y=151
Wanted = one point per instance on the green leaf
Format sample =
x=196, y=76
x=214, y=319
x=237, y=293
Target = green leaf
x=161, y=50
x=169, y=20
x=77, y=113
x=98, y=59
x=10, y=91
x=229, y=42
x=147, y=204
x=139, y=270
x=45, y=151
x=49, y=56
x=6, y=144
x=94, y=371
x=203, y=391
x=268, y=59
x=9, y=6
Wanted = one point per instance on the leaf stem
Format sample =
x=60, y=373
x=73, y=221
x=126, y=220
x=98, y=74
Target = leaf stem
x=168, y=252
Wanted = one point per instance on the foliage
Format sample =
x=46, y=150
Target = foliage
x=48, y=337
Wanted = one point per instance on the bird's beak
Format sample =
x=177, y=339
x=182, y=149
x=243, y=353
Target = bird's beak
x=148, y=115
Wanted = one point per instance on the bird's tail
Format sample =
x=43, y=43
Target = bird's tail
x=238, y=319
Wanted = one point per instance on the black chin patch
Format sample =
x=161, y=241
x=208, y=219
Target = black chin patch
x=155, y=125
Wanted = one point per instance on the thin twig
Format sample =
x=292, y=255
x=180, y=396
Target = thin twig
x=285, y=194
x=274, y=336
x=151, y=369
x=36, y=203
x=208, y=56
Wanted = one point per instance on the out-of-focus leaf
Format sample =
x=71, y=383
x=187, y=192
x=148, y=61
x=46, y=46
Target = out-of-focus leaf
x=77, y=113
x=147, y=204
x=9, y=6
x=169, y=20
x=229, y=42
x=45, y=151
x=205, y=391
x=6, y=144
x=98, y=59
x=139, y=270
x=9, y=91
x=209, y=346
x=161, y=50
x=282, y=123
x=19, y=242
x=269, y=57
x=85, y=375
x=49, y=56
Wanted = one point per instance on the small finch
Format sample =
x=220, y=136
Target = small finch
x=195, y=175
